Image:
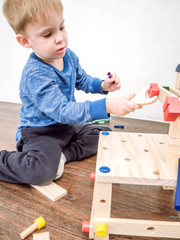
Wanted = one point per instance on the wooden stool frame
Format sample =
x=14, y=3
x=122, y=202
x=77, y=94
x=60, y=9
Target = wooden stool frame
x=136, y=158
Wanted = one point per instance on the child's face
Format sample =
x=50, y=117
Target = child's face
x=48, y=38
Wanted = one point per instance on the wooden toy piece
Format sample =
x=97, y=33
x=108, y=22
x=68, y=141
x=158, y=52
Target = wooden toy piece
x=174, y=128
x=164, y=93
x=93, y=176
x=141, y=227
x=136, y=158
x=133, y=158
x=171, y=109
x=153, y=90
x=109, y=75
x=52, y=191
x=177, y=197
x=142, y=97
x=119, y=126
x=38, y=224
x=175, y=91
x=101, y=230
x=177, y=86
x=173, y=152
x=85, y=226
x=41, y=236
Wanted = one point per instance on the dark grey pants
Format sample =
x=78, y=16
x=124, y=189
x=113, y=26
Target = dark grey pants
x=38, y=152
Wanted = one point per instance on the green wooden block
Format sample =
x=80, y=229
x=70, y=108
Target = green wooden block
x=166, y=87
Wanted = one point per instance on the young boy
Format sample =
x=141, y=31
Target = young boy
x=52, y=128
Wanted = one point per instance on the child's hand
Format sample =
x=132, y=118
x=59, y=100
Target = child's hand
x=111, y=84
x=121, y=106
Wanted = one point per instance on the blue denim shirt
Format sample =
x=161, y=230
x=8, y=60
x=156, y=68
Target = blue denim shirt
x=47, y=94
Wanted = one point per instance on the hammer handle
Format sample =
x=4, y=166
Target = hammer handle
x=29, y=230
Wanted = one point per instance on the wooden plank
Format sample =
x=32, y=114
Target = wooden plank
x=135, y=158
x=133, y=227
x=41, y=236
x=52, y=191
x=174, y=129
x=175, y=91
x=101, y=205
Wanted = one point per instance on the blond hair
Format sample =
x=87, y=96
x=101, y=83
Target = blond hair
x=19, y=13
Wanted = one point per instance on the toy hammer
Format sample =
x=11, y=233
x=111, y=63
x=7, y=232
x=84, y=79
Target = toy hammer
x=38, y=224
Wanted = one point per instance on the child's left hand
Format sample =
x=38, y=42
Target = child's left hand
x=111, y=84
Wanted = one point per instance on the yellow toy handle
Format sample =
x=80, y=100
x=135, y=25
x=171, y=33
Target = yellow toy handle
x=40, y=221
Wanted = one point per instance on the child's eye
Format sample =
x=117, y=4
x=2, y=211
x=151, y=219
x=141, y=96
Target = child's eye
x=61, y=28
x=47, y=35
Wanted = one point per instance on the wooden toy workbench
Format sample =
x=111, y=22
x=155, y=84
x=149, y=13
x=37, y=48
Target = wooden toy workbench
x=135, y=158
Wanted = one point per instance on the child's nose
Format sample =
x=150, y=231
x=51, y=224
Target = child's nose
x=59, y=37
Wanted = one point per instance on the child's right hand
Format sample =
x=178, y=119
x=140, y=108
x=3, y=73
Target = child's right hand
x=121, y=106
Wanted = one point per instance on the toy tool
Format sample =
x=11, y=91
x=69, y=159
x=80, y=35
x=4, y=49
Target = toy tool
x=142, y=97
x=38, y=224
x=109, y=75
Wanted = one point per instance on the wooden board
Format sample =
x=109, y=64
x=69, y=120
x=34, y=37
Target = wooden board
x=41, y=236
x=52, y=191
x=133, y=227
x=101, y=205
x=136, y=158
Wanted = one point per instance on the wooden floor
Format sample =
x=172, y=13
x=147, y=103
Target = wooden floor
x=21, y=204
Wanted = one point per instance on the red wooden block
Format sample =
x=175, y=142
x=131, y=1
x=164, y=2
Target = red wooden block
x=153, y=90
x=171, y=109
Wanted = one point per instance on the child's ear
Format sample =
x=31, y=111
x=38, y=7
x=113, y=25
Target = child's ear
x=23, y=41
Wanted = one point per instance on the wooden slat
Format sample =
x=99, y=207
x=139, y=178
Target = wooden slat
x=175, y=91
x=133, y=227
x=52, y=191
x=41, y=236
x=101, y=205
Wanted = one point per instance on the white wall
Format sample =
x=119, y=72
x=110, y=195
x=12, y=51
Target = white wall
x=137, y=39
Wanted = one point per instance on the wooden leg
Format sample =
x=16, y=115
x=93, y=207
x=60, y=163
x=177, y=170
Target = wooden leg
x=101, y=206
x=174, y=129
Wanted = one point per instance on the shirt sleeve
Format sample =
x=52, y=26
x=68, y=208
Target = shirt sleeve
x=46, y=95
x=84, y=81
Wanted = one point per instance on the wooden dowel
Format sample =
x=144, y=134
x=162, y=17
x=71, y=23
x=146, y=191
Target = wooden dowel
x=29, y=230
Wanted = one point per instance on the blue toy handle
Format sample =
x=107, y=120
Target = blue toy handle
x=177, y=197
